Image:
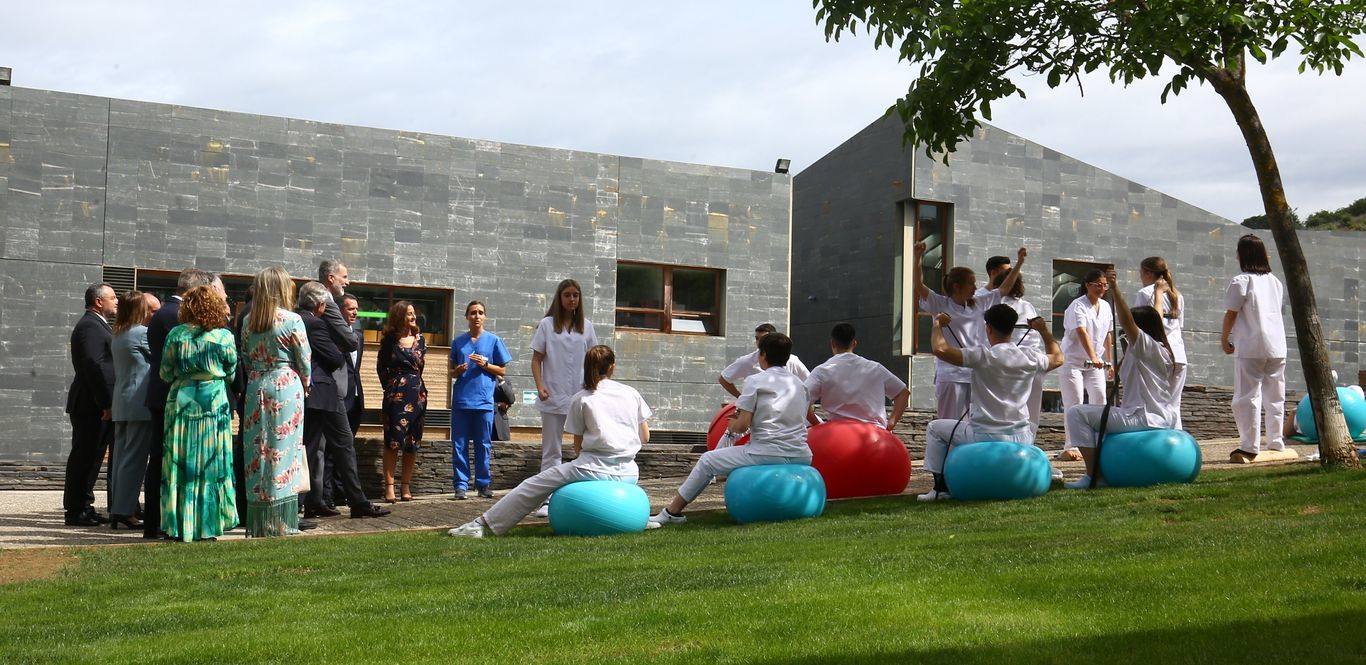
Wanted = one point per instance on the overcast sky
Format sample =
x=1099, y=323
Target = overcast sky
x=727, y=83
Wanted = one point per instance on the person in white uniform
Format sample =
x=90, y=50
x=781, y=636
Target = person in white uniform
x=1025, y=335
x=557, y=351
x=609, y=423
x=952, y=383
x=1147, y=375
x=851, y=387
x=734, y=375
x=1003, y=375
x=774, y=408
x=1087, y=338
x=997, y=268
x=1159, y=292
x=1254, y=334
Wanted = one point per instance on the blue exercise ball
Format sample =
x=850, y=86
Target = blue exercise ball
x=1149, y=457
x=997, y=470
x=774, y=493
x=1353, y=408
x=599, y=508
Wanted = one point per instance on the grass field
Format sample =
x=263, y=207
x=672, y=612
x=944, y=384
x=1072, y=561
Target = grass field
x=1266, y=566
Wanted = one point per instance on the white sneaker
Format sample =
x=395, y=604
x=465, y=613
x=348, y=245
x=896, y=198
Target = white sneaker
x=934, y=495
x=1057, y=473
x=543, y=511
x=664, y=517
x=471, y=529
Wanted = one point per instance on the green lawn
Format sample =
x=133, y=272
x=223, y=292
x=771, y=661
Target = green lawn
x=1266, y=566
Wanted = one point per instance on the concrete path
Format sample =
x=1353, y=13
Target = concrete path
x=34, y=518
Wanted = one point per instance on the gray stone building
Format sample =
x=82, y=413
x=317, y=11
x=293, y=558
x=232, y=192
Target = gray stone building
x=854, y=208
x=93, y=188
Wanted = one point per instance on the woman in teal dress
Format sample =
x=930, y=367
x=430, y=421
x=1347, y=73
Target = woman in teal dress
x=275, y=350
x=197, y=495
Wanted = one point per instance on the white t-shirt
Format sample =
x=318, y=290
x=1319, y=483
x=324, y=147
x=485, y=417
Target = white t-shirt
x=1145, y=377
x=1172, y=324
x=1031, y=338
x=778, y=401
x=1002, y=381
x=968, y=330
x=608, y=419
x=851, y=387
x=562, y=369
x=1098, y=323
x=1259, y=331
x=748, y=365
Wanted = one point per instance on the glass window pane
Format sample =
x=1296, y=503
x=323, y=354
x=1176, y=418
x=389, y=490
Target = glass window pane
x=640, y=320
x=694, y=290
x=640, y=286
x=923, y=323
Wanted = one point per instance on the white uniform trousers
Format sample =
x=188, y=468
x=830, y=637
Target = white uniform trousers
x=722, y=461
x=952, y=399
x=1178, y=386
x=1083, y=422
x=1072, y=380
x=1035, y=405
x=941, y=434
x=534, y=491
x=1259, y=391
x=552, y=436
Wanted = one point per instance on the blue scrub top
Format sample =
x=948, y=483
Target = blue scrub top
x=473, y=390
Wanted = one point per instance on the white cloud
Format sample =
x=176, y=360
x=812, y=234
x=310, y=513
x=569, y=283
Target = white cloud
x=736, y=84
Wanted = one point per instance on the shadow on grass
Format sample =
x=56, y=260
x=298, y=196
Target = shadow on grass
x=1335, y=637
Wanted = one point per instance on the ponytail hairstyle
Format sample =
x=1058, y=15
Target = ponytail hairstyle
x=1158, y=266
x=957, y=277
x=563, y=320
x=1148, y=321
x=597, y=365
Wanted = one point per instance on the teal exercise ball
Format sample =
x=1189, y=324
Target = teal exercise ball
x=599, y=508
x=1353, y=408
x=774, y=493
x=1149, y=457
x=997, y=470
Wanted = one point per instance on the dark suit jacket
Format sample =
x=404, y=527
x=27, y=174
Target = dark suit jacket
x=327, y=358
x=355, y=392
x=239, y=382
x=503, y=399
x=158, y=328
x=92, y=389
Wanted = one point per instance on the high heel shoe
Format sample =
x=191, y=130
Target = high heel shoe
x=389, y=494
x=407, y=494
x=126, y=522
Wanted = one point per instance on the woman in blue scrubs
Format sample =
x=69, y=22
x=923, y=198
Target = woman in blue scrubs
x=478, y=358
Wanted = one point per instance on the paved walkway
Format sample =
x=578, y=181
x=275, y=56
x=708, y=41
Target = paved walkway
x=34, y=518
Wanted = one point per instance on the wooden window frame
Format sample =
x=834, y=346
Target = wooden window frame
x=946, y=213
x=667, y=312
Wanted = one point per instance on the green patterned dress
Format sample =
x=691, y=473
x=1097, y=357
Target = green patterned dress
x=197, y=494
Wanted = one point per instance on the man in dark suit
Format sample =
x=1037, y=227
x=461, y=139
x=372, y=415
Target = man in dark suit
x=158, y=328
x=354, y=401
x=88, y=404
x=326, y=431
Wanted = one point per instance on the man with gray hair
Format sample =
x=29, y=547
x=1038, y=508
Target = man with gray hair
x=326, y=430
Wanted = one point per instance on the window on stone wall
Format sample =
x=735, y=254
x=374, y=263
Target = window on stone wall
x=669, y=299
x=1067, y=287
x=933, y=223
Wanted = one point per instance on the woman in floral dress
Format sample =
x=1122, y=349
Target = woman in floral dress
x=402, y=355
x=277, y=356
x=198, y=501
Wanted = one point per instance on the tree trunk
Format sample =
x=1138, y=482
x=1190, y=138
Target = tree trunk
x=1335, y=443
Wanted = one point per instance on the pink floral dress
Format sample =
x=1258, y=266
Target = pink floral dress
x=277, y=364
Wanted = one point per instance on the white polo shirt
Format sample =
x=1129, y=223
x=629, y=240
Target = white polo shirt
x=1259, y=331
x=1171, y=324
x=1098, y=323
x=1146, y=380
x=748, y=365
x=1002, y=380
x=851, y=387
x=968, y=330
x=779, y=403
x=1023, y=335
x=608, y=418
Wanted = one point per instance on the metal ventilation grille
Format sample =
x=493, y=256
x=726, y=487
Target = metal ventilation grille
x=122, y=279
x=680, y=438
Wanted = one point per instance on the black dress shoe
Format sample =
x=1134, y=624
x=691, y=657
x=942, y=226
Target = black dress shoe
x=320, y=511
x=82, y=520
x=369, y=510
x=95, y=515
x=307, y=525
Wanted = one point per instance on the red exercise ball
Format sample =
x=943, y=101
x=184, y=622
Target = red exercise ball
x=718, y=427
x=858, y=459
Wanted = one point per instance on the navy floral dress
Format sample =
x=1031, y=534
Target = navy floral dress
x=405, y=394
